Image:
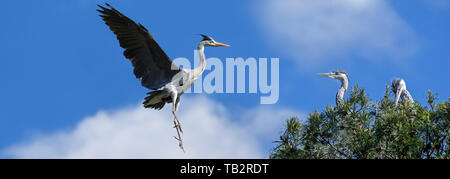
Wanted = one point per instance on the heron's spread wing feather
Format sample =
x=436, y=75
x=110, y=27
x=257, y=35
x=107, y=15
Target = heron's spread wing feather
x=151, y=64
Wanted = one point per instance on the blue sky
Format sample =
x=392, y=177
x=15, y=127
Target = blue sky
x=61, y=64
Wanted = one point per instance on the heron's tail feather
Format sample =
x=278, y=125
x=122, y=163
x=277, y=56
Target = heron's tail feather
x=154, y=100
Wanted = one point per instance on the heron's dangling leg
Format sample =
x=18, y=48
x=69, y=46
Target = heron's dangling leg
x=175, y=120
x=174, y=111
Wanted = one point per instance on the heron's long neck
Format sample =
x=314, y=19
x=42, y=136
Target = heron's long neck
x=340, y=93
x=201, y=67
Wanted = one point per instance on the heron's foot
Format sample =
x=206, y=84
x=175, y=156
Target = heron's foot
x=180, y=142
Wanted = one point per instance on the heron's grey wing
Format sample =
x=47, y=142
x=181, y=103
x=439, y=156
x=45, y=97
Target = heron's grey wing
x=406, y=96
x=151, y=64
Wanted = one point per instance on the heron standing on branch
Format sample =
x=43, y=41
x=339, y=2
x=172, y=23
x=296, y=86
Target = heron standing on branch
x=152, y=66
x=399, y=89
x=343, y=78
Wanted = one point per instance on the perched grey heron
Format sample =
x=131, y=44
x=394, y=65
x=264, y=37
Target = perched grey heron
x=399, y=89
x=151, y=64
x=343, y=78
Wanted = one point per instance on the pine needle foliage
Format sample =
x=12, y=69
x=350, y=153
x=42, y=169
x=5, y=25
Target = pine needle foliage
x=363, y=129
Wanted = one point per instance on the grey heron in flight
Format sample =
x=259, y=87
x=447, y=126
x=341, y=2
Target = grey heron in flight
x=343, y=78
x=152, y=66
x=399, y=89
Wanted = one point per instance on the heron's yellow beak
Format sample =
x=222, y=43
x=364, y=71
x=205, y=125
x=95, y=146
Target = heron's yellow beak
x=221, y=44
x=324, y=74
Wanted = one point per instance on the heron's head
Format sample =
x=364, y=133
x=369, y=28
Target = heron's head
x=339, y=75
x=207, y=41
x=398, y=84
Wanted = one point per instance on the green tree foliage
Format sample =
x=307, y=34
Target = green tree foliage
x=362, y=129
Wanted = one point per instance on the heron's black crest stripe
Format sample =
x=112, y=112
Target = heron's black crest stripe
x=337, y=72
x=205, y=37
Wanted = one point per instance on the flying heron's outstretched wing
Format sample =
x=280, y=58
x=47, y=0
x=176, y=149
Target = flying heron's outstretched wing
x=151, y=64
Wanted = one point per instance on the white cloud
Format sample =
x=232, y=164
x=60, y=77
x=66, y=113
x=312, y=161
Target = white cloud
x=316, y=31
x=136, y=132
